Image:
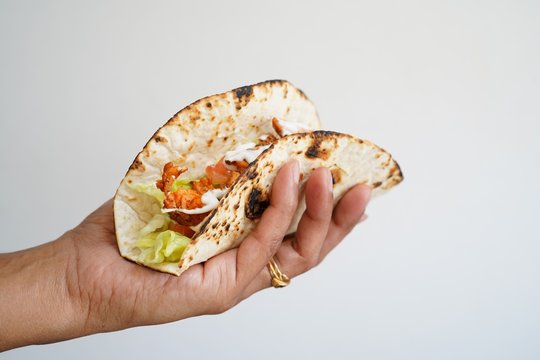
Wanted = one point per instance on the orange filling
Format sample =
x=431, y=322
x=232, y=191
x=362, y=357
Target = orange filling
x=218, y=176
x=221, y=174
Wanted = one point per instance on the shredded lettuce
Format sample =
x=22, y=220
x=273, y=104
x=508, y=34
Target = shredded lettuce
x=156, y=242
x=158, y=222
x=164, y=246
x=181, y=184
x=149, y=189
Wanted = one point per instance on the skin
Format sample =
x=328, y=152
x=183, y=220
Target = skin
x=79, y=285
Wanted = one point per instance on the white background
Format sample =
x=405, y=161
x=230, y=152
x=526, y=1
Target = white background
x=446, y=266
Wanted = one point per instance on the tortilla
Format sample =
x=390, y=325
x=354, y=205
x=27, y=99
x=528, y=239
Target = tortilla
x=197, y=136
x=201, y=133
x=351, y=160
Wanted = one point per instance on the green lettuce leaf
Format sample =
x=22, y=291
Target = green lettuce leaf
x=157, y=244
x=164, y=246
x=149, y=189
x=158, y=222
x=181, y=184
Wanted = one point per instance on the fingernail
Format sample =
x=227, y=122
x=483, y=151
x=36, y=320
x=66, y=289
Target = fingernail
x=363, y=218
x=295, y=172
x=329, y=180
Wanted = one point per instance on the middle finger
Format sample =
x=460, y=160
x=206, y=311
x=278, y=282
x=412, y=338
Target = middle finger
x=297, y=255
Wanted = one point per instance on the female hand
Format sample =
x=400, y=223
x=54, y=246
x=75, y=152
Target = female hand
x=79, y=284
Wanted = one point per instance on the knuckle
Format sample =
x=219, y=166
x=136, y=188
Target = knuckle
x=225, y=296
x=312, y=262
x=230, y=303
x=226, y=303
x=308, y=262
x=319, y=214
x=320, y=259
x=290, y=203
x=270, y=243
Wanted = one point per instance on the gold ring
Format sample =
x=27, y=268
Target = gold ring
x=279, y=279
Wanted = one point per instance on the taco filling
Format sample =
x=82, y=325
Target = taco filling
x=186, y=202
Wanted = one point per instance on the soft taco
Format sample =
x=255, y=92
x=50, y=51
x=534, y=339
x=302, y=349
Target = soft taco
x=203, y=180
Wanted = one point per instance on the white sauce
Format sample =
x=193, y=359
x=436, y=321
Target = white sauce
x=292, y=127
x=247, y=152
x=210, y=200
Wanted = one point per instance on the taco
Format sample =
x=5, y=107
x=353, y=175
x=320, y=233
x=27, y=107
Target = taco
x=203, y=180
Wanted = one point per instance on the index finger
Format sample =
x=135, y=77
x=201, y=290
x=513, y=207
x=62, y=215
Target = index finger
x=259, y=246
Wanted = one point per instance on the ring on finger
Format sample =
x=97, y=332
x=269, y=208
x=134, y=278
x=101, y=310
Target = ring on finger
x=279, y=279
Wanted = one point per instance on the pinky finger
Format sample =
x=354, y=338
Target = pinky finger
x=348, y=213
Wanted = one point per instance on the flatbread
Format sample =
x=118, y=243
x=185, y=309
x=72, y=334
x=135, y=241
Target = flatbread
x=198, y=136
x=351, y=160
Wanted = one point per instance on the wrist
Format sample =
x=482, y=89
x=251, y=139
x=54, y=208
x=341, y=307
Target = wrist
x=38, y=302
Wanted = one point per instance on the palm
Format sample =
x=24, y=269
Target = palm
x=129, y=289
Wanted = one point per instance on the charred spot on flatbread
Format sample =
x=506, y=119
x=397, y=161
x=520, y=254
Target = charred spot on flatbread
x=302, y=94
x=243, y=96
x=316, y=149
x=137, y=165
x=251, y=173
x=395, y=177
x=396, y=171
x=337, y=173
x=256, y=204
x=244, y=91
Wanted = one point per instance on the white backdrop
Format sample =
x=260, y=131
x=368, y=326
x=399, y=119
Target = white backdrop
x=446, y=266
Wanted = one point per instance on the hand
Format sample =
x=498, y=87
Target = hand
x=86, y=287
